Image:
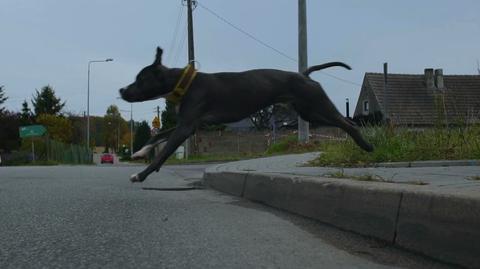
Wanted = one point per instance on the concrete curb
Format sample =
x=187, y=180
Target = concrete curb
x=444, y=227
x=441, y=163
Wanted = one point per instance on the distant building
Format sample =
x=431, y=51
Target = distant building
x=240, y=126
x=419, y=100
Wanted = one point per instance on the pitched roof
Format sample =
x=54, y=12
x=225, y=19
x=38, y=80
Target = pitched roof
x=409, y=101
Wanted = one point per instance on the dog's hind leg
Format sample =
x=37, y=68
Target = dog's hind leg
x=312, y=104
x=353, y=132
x=179, y=135
x=340, y=122
x=152, y=142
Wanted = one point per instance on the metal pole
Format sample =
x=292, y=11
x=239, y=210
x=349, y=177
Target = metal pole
x=88, y=96
x=385, y=89
x=88, y=106
x=347, y=105
x=131, y=129
x=33, y=151
x=303, y=126
x=118, y=135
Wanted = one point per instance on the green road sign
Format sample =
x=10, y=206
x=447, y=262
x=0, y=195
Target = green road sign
x=32, y=131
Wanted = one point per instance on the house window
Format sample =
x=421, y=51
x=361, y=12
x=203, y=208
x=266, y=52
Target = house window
x=366, y=107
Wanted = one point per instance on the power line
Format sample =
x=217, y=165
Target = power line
x=267, y=45
x=181, y=45
x=175, y=33
x=340, y=79
x=246, y=33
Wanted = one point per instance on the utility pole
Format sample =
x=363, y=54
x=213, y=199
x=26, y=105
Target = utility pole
x=131, y=129
x=85, y=122
x=191, y=48
x=303, y=126
x=158, y=112
x=478, y=67
x=191, y=4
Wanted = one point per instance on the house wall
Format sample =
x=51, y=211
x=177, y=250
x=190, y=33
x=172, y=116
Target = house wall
x=366, y=93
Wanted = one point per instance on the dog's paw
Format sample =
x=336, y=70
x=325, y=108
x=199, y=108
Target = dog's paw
x=135, y=178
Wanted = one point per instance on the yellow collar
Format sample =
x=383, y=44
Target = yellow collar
x=183, y=84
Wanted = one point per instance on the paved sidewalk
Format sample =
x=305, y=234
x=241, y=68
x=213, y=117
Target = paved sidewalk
x=454, y=178
x=430, y=210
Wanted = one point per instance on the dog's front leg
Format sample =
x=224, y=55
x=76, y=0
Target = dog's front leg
x=152, y=142
x=181, y=133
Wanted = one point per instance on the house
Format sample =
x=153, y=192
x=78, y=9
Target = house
x=419, y=100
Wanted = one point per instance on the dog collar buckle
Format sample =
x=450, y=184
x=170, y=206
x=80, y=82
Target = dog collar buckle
x=183, y=84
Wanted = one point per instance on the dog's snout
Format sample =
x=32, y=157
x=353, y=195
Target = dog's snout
x=123, y=93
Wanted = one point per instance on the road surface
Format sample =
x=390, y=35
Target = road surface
x=93, y=217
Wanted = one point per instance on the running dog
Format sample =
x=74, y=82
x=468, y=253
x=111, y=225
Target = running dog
x=229, y=97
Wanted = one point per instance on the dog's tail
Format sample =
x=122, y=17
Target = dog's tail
x=323, y=66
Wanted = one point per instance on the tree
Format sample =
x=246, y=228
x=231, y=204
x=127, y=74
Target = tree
x=169, y=116
x=285, y=117
x=115, y=127
x=9, y=136
x=3, y=98
x=142, y=134
x=45, y=102
x=261, y=118
x=26, y=115
x=79, y=124
x=59, y=128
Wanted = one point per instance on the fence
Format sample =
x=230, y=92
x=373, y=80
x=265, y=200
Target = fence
x=48, y=151
x=68, y=153
x=229, y=142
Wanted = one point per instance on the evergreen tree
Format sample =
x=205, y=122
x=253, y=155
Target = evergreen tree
x=45, y=102
x=9, y=136
x=3, y=98
x=26, y=115
x=169, y=116
x=142, y=134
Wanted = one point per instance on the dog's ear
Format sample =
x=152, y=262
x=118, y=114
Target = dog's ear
x=158, y=57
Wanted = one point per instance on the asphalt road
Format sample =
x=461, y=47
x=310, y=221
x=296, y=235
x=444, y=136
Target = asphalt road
x=93, y=217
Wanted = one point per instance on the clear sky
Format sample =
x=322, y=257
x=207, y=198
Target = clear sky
x=51, y=41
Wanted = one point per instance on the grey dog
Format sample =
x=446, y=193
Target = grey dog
x=228, y=97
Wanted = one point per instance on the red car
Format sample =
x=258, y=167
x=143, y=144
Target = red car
x=106, y=158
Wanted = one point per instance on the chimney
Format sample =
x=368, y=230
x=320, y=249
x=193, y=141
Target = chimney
x=439, y=79
x=429, y=79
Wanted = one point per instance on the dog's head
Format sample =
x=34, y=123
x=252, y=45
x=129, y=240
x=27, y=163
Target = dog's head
x=150, y=83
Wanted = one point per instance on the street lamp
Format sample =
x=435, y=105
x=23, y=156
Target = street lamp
x=88, y=96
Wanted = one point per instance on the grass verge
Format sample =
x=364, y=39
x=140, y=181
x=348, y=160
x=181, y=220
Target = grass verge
x=394, y=145
x=372, y=178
